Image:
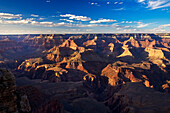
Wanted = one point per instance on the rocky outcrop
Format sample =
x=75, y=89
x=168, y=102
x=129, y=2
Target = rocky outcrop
x=131, y=42
x=90, y=42
x=45, y=41
x=156, y=53
x=126, y=52
x=119, y=74
x=59, y=54
x=27, y=65
x=136, y=98
x=10, y=100
x=147, y=43
x=69, y=43
x=39, y=102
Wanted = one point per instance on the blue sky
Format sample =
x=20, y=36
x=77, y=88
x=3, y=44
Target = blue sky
x=84, y=16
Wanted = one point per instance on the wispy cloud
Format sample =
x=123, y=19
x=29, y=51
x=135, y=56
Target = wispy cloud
x=142, y=1
x=67, y=20
x=118, y=2
x=9, y=16
x=155, y=4
x=42, y=18
x=119, y=9
x=108, y=2
x=48, y=1
x=102, y=20
x=47, y=24
x=160, y=28
x=94, y=3
x=158, y=4
x=81, y=18
x=102, y=25
x=165, y=25
x=142, y=25
x=128, y=22
x=33, y=15
x=24, y=21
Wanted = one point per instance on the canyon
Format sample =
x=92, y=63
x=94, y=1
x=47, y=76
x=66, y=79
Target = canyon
x=85, y=73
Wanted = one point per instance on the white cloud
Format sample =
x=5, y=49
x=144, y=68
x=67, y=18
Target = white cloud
x=23, y=21
x=165, y=25
x=120, y=9
x=118, y=2
x=33, y=15
x=102, y=20
x=67, y=20
x=42, y=18
x=137, y=22
x=15, y=22
x=158, y=4
x=10, y=16
x=101, y=25
x=48, y=24
x=48, y=1
x=34, y=22
x=128, y=22
x=28, y=21
x=141, y=25
x=94, y=3
x=81, y=18
x=141, y=0
x=159, y=29
x=129, y=30
x=155, y=4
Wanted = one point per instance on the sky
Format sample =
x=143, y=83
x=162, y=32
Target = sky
x=84, y=16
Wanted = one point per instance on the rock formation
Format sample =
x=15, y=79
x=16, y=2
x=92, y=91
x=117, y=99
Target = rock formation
x=135, y=98
x=10, y=100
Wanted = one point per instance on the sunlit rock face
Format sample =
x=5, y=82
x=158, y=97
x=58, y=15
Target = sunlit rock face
x=69, y=43
x=155, y=53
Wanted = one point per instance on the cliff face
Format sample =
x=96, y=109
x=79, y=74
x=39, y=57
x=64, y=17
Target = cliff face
x=10, y=100
x=45, y=41
x=120, y=73
x=8, y=45
x=156, y=53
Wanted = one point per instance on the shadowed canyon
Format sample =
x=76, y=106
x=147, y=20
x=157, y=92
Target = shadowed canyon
x=85, y=73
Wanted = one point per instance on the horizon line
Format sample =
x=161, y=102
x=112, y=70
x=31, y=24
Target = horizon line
x=77, y=33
